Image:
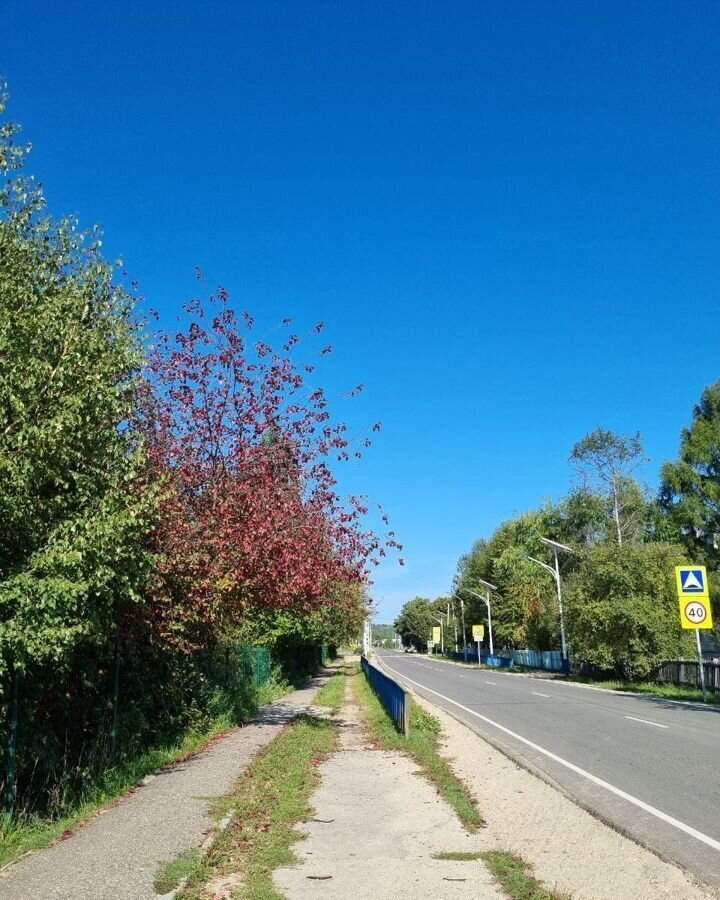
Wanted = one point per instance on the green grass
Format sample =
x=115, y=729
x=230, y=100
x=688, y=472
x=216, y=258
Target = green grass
x=29, y=832
x=171, y=873
x=422, y=744
x=457, y=855
x=669, y=691
x=515, y=877
x=268, y=800
x=331, y=694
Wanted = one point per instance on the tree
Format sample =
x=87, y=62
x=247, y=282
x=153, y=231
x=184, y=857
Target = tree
x=621, y=608
x=249, y=515
x=415, y=623
x=606, y=462
x=71, y=553
x=690, y=486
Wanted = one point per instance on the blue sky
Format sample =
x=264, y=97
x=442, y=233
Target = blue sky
x=506, y=213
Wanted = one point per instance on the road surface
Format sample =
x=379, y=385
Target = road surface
x=648, y=766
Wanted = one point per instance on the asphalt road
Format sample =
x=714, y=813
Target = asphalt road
x=647, y=766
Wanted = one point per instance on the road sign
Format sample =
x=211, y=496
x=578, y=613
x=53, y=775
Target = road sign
x=478, y=632
x=691, y=581
x=436, y=634
x=695, y=613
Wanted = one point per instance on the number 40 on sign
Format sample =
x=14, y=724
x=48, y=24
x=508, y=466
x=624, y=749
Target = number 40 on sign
x=692, y=587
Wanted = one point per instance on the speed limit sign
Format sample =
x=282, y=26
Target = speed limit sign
x=695, y=613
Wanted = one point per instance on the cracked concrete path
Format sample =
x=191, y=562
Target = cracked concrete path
x=116, y=855
x=376, y=826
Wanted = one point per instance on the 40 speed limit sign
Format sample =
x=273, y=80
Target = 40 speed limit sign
x=692, y=588
x=695, y=613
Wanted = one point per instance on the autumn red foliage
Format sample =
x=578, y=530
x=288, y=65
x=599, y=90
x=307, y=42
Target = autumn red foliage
x=239, y=445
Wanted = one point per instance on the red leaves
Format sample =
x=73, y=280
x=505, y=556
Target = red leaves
x=249, y=514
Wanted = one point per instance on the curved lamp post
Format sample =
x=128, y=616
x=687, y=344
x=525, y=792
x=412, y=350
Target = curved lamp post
x=555, y=572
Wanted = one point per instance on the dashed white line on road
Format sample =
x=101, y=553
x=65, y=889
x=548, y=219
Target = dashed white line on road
x=538, y=694
x=646, y=722
x=658, y=813
x=491, y=682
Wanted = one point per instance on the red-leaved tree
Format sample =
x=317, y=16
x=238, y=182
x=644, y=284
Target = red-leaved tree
x=239, y=447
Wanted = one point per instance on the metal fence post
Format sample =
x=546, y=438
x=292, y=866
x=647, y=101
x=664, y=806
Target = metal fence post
x=116, y=697
x=10, y=783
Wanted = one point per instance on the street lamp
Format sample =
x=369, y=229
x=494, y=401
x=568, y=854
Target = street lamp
x=555, y=572
x=486, y=600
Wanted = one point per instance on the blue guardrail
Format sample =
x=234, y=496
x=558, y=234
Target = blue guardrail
x=391, y=695
x=550, y=660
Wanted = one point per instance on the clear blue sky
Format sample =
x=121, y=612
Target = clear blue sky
x=506, y=212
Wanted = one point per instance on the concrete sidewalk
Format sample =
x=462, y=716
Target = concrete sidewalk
x=116, y=855
x=376, y=825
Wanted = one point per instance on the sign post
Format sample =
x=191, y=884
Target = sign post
x=437, y=637
x=695, y=610
x=478, y=632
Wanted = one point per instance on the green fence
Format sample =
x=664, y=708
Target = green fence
x=60, y=730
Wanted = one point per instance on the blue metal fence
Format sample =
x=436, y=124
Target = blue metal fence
x=550, y=660
x=391, y=695
x=539, y=659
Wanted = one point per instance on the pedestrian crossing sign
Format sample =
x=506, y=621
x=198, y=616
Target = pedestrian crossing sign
x=691, y=581
x=478, y=632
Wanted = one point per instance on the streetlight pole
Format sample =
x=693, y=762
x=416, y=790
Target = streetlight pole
x=486, y=600
x=462, y=614
x=555, y=572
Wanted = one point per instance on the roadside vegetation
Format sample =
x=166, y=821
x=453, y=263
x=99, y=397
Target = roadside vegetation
x=515, y=877
x=657, y=689
x=332, y=693
x=422, y=744
x=28, y=831
x=266, y=802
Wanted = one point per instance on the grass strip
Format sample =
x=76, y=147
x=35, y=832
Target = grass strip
x=457, y=855
x=30, y=832
x=332, y=692
x=422, y=744
x=515, y=877
x=171, y=873
x=657, y=689
x=269, y=798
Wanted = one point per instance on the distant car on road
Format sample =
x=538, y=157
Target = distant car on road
x=410, y=650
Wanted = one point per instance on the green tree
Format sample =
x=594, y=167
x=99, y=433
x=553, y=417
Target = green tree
x=415, y=623
x=621, y=608
x=72, y=523
x=606, y=463
x=690, y=486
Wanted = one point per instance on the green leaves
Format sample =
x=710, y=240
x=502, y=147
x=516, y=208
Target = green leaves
x=71, y=536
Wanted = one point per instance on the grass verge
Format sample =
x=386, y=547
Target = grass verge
x=515, y=877
x=171, y=873
x=422, y=745
x=26, y=833
x=269, y=799
x=669, y=691
x=332, y=692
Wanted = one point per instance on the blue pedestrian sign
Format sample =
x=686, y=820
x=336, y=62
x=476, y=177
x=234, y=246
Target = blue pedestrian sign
x=691, y=581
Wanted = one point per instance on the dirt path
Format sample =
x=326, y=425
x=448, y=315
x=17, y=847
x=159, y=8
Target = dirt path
x=116, y=856
x=376, y=826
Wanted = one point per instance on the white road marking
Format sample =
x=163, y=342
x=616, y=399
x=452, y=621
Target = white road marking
x=460, y=676
x=491, y=682
x=537, y=694
x=646, y=721
x=659, y=814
